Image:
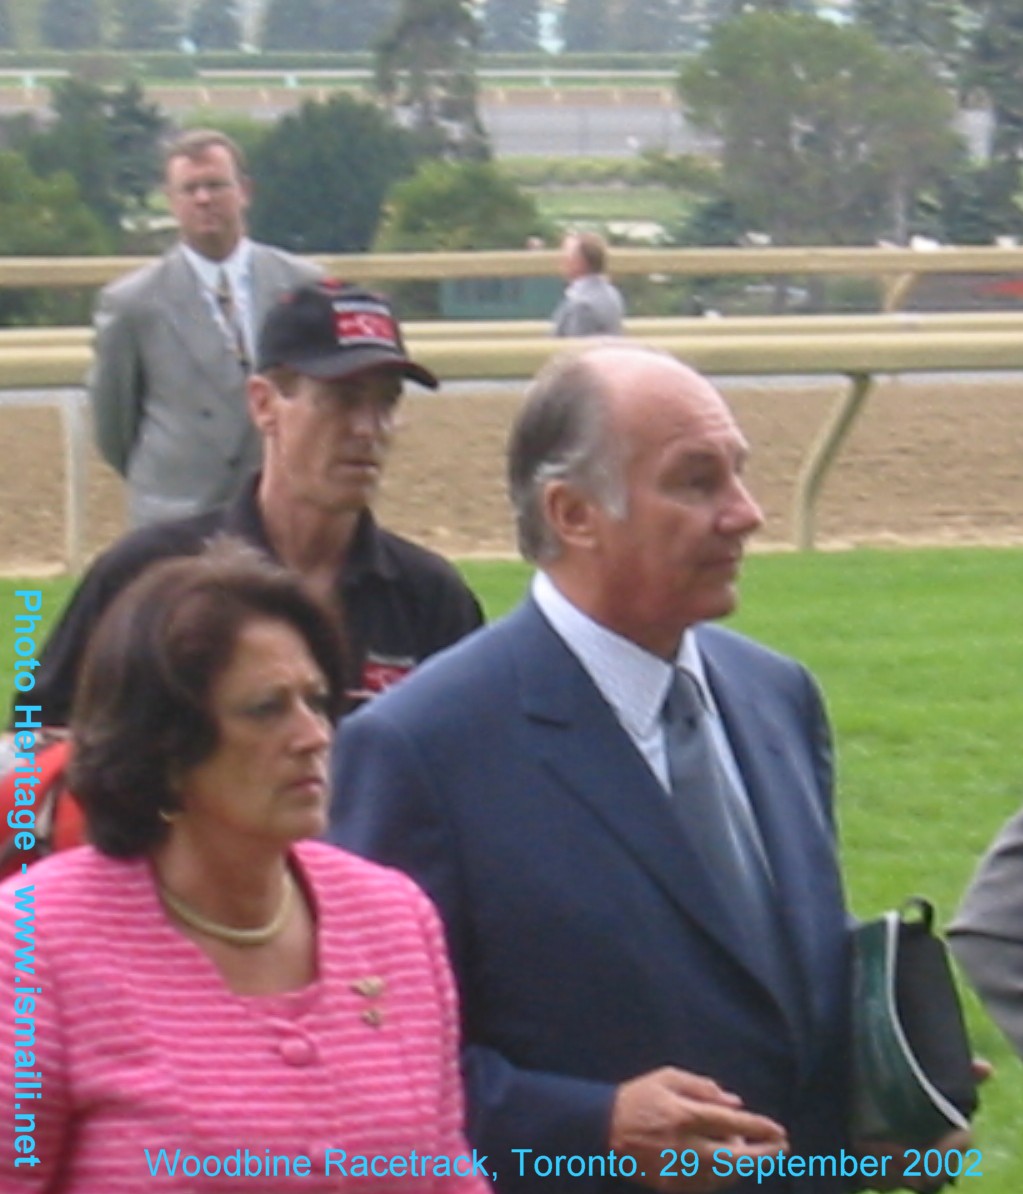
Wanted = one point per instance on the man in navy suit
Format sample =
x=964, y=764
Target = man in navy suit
x=616, y=1015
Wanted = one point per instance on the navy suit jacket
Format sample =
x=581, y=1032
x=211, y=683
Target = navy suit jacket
x=578, y=918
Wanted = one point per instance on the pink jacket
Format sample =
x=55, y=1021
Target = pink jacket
x=139, y=1046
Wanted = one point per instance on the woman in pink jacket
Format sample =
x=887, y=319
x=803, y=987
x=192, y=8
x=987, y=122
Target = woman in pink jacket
x=204, y=998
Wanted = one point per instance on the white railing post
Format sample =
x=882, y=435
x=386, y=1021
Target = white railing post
x=74, y=424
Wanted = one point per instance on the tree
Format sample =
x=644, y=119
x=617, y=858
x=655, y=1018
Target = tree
x=992, y=66
x=454, y=206
x=586, y=26
x=425, y=70
x=70, y=24
x=930, y=27
x=321, y=176
x=737, y=8
x=145, y=25
x=827, y=136
x=8, y=39
x=42, y=217
x=135, y=129
x=646, y=25
x=351, y=25
x=215, y=25
x=963, y=212
x=77, y=142
x=458, y=206
x=914, y=145
x=106, y=140
x=634, y=25
x=293, y=25
x=511, y=26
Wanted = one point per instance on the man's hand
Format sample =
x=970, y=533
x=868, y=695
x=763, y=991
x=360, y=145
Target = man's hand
x=670, y=1109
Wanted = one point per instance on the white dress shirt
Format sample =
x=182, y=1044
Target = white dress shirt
x=238, y=268
x=633, y=681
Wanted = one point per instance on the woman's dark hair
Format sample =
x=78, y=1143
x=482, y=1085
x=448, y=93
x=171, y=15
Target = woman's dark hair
x=141, y=715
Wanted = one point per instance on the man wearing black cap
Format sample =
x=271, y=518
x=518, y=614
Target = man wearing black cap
x=328, y=379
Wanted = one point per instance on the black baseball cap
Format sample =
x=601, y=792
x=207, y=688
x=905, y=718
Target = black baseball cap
x=332, y=329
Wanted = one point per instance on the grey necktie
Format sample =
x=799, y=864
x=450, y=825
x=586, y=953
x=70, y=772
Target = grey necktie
x=232, y=320
x=718, y=821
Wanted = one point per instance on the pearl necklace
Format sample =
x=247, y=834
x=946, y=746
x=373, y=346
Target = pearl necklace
x=228, y=933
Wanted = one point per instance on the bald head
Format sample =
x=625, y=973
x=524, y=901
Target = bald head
x=635, y=379
x=625, y=470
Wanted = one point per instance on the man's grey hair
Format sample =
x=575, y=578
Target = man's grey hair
x=562, y=433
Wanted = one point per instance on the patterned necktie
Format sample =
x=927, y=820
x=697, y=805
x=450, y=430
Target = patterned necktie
x=232, y=321
x=719, y=823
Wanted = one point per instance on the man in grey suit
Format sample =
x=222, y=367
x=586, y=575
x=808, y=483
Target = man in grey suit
x=592, y=305
x=174, y=341
x=987, y=933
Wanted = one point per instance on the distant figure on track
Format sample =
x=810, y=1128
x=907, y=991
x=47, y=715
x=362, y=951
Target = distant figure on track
x=592, y=305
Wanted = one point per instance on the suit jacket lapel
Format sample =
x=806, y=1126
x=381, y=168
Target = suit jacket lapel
x=268, y=280
x=582, y=743
x=795, y=833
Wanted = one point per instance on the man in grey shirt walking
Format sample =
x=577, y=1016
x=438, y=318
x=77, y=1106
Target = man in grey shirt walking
x=592, y=305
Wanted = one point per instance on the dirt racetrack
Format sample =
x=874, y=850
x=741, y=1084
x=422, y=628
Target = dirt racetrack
x=930, y=461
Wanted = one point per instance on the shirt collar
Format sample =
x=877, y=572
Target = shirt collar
x=367, y=552
x=244, y=518
x=236, y=265
x=633, y=681
x=583, y=283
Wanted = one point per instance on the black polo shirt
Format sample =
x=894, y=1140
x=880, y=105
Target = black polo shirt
x=401, y=602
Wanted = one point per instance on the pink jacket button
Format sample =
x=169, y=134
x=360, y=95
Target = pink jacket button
x=298, y=1051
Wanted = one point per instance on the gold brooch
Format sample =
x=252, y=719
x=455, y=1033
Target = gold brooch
x=370, y=988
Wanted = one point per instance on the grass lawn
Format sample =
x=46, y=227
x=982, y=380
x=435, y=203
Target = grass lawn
x=609, y=204
x=920, y=655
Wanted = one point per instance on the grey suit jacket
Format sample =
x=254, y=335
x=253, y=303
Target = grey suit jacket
x=167, y=391
x=986, y=935
x=592, y=306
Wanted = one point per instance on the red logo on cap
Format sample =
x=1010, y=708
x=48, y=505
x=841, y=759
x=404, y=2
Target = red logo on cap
x=378, y=676
x=370, y=326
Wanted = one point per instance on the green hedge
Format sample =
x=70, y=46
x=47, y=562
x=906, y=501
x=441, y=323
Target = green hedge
x=574, y=172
